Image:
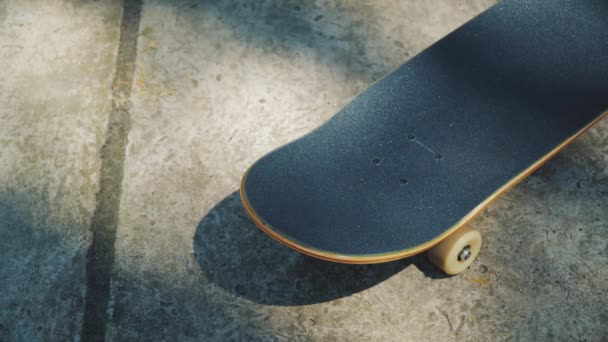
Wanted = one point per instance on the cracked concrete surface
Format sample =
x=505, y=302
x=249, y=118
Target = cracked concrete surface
x=57, y=63
x=216, y=85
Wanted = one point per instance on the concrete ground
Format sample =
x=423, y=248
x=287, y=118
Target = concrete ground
x=125, y=130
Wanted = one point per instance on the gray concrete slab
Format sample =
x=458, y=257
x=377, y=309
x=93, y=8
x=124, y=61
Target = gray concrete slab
x=218, y=85
x=57, y=63
x=215, y=85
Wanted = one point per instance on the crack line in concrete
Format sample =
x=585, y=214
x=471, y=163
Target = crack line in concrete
x=100, y=255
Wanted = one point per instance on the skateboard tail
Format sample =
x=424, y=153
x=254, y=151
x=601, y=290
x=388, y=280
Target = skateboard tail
x=396, y=255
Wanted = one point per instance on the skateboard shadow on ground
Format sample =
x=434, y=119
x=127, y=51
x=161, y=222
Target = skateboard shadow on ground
x=237, y=256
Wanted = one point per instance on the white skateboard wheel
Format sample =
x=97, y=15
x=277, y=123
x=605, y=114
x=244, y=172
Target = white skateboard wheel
x=458, y=251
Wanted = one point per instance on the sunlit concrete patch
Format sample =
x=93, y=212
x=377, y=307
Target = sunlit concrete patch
x=217, y=85
x=57, y=63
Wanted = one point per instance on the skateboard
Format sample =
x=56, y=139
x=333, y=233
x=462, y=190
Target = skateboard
x=405, y=166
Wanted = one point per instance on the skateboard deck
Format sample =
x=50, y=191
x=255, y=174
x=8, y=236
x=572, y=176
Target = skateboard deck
x=421, y=152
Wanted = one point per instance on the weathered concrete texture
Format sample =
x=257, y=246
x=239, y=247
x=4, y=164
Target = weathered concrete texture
x=217, y=86
x=57, y=63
